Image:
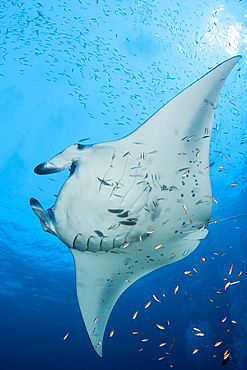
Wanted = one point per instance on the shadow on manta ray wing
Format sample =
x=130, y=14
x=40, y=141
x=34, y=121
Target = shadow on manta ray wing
x=147, y=198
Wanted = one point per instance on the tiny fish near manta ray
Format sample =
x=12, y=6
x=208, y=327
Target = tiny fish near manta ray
x=118, y=191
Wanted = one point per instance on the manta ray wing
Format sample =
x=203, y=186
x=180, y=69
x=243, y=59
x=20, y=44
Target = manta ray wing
x=133, y=205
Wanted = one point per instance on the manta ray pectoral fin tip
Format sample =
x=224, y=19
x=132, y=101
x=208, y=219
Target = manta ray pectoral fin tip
x=46, y=168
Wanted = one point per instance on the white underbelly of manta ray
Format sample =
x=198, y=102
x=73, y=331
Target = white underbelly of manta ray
x=133, y=205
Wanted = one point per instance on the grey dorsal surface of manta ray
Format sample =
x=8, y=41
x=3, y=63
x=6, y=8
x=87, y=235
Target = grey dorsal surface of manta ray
x=133, y=205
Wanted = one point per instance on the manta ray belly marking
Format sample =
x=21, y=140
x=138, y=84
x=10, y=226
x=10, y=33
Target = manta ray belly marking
x=136, y=204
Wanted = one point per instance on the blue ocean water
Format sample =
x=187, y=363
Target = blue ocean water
x=71, y=70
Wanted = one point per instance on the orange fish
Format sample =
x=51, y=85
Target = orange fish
x=234, y=321
x=226, y=285
x=203, y=259
x=197, y=153
x=199, y=334
x=185, y=173
x=195, y=270
x=227, y=330
x=187, y=272
x=240, y=273
x=223, y=320
x=196, y=329
x=135, y=314
x=147, y=304
x=209, y=196
x=234, y=184
x=226, y=356
x=126, y=245
x=111, y=333
x=217, y=126
x=195, y=350
x=145, y=340
x=158, y=246
x=230, y=270
x=235, y=282
x=161, y=358
x=140, y=238
x=162, y=344
x=160, y=326
x=176, y=289
x=96, y=319
x=217, y=344
x=135, y=332
x=186, y=211
x=66, y=336
x=157, y=300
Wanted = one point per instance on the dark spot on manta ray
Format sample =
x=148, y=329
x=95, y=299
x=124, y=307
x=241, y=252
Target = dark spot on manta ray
x=208, y=102
x=99, y=233
x=124, y=214
x=127, y=223
x=81, y=146
x=115, y=210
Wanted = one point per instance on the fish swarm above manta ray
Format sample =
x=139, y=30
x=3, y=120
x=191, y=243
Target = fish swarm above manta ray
x=133, y=205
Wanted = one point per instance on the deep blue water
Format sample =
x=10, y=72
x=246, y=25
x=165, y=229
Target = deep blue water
x=98, y=69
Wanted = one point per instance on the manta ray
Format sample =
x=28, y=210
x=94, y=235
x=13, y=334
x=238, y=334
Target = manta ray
x=136, y=204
